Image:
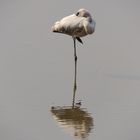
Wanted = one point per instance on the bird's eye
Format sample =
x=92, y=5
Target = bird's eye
x=77, y=13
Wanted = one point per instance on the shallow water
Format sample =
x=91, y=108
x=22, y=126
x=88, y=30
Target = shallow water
x=37, y=73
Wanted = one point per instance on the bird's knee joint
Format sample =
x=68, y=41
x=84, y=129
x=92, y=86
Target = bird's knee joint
x=75, y=58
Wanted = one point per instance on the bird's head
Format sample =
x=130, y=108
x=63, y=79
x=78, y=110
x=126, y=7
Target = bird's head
x=83, y=13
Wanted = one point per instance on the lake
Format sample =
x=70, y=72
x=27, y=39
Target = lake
x=37, y=73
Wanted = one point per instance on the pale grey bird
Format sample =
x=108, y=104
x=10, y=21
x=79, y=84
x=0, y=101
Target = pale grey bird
x=76, y=25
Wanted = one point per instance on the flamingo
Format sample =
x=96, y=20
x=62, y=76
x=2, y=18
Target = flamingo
x=76, y=25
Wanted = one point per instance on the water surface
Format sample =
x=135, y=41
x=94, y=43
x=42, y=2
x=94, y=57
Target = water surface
x=37, y=72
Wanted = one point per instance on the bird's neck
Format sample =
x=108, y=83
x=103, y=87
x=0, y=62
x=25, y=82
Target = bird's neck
x=90, y=19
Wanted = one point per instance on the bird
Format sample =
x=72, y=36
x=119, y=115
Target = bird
x=77, y=25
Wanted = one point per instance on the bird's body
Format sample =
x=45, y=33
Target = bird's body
x=76, y=25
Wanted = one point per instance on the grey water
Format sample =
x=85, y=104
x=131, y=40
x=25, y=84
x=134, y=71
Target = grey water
x=37, y=72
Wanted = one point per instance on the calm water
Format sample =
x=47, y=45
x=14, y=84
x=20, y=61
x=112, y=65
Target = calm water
x=37, y=73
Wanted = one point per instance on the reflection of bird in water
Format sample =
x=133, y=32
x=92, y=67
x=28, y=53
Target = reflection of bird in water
x=76, y=25
x=77, y=120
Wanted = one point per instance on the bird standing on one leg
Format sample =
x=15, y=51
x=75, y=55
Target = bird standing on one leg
x=76, y=25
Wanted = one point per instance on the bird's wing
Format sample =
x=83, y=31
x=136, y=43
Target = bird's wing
x=71, y=25
x=63, y=24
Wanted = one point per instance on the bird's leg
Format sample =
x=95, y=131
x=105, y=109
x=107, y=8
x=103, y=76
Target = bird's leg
x=75, y=72
x=75, y=55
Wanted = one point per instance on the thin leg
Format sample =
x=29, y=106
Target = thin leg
x=75, y=72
